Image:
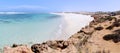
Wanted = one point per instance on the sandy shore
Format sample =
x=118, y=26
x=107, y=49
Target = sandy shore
x=72, y=23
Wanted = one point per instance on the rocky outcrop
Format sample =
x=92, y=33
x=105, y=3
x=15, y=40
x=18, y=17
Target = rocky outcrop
x=59, y=46
x=105, y=39
x=17, y=49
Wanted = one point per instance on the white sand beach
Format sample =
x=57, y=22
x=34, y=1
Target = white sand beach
x=72, y=23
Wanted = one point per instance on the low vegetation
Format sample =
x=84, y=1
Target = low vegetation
x=98, y=28
x=114, y=24
x=115, y=36
x=103, y=19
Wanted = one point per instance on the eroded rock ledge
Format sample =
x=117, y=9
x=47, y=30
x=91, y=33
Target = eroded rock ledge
x=17, y=49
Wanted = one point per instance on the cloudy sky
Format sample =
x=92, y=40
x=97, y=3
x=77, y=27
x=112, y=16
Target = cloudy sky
x=59, y=5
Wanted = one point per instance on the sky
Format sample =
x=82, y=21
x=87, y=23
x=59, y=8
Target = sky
x=59, y=5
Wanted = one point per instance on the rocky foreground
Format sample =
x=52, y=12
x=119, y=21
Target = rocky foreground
x=102, y=35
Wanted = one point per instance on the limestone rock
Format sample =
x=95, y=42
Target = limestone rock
x=58, y=46
x=18, y=49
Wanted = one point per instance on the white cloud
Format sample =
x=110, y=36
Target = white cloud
x=35, y=8
x=26, y=7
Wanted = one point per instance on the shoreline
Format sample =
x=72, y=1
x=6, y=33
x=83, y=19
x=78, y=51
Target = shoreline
x=71, y=24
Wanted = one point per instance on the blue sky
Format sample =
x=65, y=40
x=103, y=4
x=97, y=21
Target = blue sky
x=59, y=5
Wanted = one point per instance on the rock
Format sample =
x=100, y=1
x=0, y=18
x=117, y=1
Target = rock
x=14, y=45
x=38, y=48
x=58, y=45
x=18, y=49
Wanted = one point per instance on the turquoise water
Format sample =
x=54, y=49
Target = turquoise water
x=27, y=28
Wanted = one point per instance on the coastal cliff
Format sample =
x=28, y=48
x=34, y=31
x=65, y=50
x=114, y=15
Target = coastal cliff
x=102, y=35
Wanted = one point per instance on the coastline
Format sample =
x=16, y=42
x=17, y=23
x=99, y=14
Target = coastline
x=71, y=24
x=97, y=37
x=93, y=38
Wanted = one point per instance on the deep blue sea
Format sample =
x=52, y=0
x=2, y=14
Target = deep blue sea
x=27, y=28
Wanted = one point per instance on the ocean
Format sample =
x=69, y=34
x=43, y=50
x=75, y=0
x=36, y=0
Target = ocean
x=28, y=28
